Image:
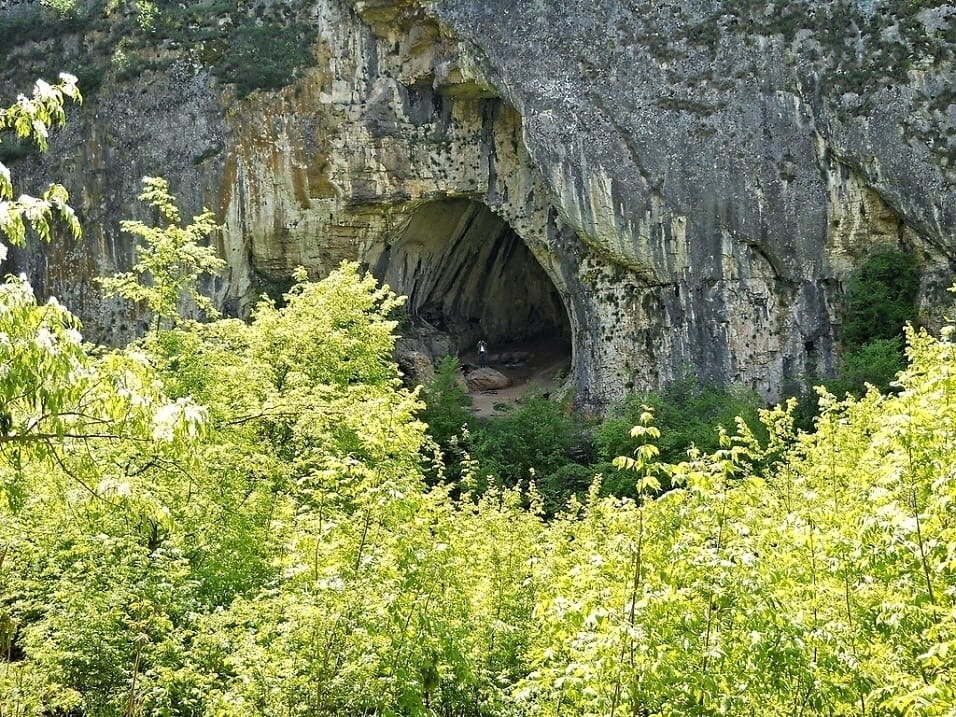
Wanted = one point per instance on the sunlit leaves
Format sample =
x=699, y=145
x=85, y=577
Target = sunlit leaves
x=814, y=587
x=813, y=574
x=84, y=443
x=30, y=118
x=170, y=261
x=338, y=331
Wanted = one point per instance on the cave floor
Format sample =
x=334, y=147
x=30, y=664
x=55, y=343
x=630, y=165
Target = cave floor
x=544, y=369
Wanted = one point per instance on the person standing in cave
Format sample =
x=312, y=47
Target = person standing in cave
x=482, y=353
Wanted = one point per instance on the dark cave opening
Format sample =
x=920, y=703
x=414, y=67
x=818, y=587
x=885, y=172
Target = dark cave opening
x=468, y=274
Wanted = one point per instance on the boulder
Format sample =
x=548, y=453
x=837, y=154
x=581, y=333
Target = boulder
x=417, y=366
x=486, y=379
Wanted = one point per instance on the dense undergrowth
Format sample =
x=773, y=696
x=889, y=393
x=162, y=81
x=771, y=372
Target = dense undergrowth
x=234, y=519
x=544, y=442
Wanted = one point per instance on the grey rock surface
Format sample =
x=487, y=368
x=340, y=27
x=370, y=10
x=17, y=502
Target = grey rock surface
x=668, y=184
x=731, y=170
x=416, y=366
x=486, y=379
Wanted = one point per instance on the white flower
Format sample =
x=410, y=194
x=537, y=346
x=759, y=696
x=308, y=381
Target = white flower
x=164, y=422
x=43, y=89
x=193, y=414
x=45, y=340
x=112, y=486
x=25, y=285
x=183, y=413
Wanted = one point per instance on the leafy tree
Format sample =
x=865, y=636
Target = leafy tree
x=573, y=480
x=51, y=391
x=447, y=416
x=62, y=7
x=336, y=332
x=446, y=402
x=79, y=437
x=535, y=438
x=881, y=298
x=170, y=261
x=31, y=118
x=688, y=412
x=814, y=589
x=875, y=363
x=374, y=611
x=91, y=455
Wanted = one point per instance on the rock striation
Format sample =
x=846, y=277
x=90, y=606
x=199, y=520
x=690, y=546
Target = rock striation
x=665, y=184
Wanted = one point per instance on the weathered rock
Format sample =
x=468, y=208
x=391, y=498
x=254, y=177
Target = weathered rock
x=665, y=183
x=417, y=367
x=486, y=379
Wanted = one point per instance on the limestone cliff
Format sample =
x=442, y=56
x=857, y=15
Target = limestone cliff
x=667, y=184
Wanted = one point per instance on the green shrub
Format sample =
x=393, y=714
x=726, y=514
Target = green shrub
x=89, y=76
x=876, y=362
x=19, y=28
x=688, y=413
x=881, y=298
x=251, y=52
x=446, y=403
x=537, y=435
x=617, y=482
x=557, y=487
x=264, y=56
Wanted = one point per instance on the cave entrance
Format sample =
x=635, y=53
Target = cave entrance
x=469, y=275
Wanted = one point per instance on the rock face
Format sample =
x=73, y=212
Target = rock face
x=667, y=184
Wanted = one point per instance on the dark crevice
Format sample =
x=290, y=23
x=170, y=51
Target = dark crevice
x=469, y=274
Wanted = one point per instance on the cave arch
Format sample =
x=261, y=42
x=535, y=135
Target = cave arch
x=467, y=273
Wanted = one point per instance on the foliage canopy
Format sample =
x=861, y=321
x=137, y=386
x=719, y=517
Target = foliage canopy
x=31, y=119
x=170, y=261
